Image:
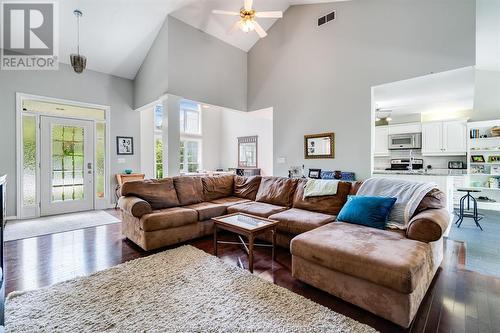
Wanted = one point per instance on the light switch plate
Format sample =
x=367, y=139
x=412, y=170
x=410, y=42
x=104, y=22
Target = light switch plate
x=121, y=161
x=281, y=160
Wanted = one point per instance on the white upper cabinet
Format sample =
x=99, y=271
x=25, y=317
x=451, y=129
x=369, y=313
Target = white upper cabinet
x=444, y=138
x=381, y=141
x=405, y=128
x=455, y=137
x=432, y=138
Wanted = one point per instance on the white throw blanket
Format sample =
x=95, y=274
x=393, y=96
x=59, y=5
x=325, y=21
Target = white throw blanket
x=320, y=187
x=408, y=195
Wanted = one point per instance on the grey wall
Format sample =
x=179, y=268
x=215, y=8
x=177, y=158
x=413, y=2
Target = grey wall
x=151, y=80
x=318, y=79
x=187, y=62
x=90, y=87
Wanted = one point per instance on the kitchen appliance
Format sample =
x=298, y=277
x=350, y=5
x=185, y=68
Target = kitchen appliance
x=405, y=141
x=456, y=165
x=404, y=164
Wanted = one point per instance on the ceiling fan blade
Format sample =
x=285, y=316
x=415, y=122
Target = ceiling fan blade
x=225, y=12
x=276, y=14
x=234, y=27
x=260, y=31
x=248, y=4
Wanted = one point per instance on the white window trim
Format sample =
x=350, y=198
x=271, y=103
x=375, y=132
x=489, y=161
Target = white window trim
x=199, y=140
x=200, y=123
x=99, y=203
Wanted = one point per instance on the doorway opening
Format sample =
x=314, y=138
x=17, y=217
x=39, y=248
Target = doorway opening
x=62, y=156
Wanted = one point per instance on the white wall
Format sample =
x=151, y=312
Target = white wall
x=147, y=152
x=318, y=79
x=236, y=124
x=90, y=87
x=211, y=122
x=488, y=35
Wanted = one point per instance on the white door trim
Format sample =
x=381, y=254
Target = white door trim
x=98, y=202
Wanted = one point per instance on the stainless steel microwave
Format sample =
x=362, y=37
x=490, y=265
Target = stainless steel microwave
x=405, y=141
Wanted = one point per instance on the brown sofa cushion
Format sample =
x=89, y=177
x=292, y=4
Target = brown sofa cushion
x=217, y=187
x=428, y=225
x=276, y=191
x=168, y=218
x=207, y=210
x=189, y=189
x=246, y=187
x=328, y=204
x=434, y=199
x=296, y=221
x=160, y=193
x=256, y=208
x=229, y=201
x=134, y=206
x=379, y=256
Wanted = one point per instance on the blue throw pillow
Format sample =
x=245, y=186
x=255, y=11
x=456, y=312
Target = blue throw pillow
x=369, y=211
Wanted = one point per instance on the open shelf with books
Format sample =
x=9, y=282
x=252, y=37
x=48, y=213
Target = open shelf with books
x=483, y=169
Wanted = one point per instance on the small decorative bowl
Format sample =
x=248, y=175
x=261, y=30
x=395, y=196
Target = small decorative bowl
x=128, y=171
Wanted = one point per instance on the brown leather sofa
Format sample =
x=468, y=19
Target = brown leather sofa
x=383, y=271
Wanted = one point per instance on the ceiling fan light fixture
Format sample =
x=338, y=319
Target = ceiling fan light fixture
x=247, y=25
x=247, y=21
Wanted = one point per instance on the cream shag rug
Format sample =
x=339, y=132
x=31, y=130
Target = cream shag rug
x=180, y=290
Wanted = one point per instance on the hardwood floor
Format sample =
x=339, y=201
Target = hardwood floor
x=458, y=300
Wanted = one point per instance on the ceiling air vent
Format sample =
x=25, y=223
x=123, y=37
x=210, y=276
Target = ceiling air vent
x=327, y=18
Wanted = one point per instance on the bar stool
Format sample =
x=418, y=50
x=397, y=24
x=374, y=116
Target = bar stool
x=468, y=213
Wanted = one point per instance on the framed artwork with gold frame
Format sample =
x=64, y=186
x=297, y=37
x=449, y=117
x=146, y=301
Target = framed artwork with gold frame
x=319, y=145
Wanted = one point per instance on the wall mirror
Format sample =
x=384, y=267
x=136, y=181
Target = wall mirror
x=247, y=152
x=319, y=145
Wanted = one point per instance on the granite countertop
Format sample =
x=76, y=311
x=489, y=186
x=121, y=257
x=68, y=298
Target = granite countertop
x=430, y=172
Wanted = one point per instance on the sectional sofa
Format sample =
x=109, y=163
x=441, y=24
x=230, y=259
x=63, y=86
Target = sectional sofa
x=386, y=272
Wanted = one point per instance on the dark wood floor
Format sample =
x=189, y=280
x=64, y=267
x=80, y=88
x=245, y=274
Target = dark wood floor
x=458, y=300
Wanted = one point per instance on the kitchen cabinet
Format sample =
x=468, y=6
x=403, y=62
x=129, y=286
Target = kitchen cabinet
x=444, y=138
x=455, y=137
x=381, y=141
x=405, y=128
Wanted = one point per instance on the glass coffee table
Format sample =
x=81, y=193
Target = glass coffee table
x=246, y=225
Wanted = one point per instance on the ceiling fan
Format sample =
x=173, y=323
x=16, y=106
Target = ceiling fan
x=247, y=20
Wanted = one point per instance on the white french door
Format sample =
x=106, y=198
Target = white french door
x=66, y=165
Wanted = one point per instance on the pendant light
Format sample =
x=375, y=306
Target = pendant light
x=78, y=62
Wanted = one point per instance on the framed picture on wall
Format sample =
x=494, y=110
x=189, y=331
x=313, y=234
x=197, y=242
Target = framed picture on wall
x=124, y=145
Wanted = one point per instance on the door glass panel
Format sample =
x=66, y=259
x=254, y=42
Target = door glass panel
x=67, y=163
x=29, y=160
x=100, y=159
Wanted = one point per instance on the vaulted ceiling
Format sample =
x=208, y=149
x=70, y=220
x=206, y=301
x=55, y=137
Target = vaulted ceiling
x=116, y=35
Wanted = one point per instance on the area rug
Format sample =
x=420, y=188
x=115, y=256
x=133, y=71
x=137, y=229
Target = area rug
x=20, y=229
x=180, y=290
